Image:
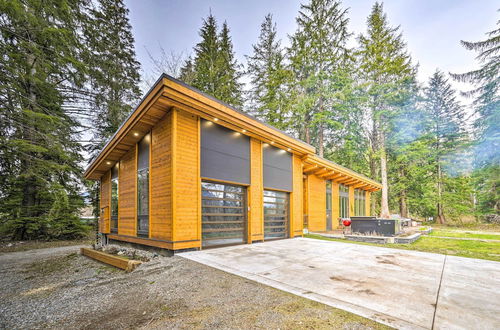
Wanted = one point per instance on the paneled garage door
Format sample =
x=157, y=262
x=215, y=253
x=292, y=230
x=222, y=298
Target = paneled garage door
x=275, y=214
x=223, y=214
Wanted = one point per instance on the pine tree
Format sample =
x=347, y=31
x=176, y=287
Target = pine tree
x=187, y=73
x=388, y=79
x=266, y=68
x=445, y=129
x=113, y=69
x=230, y=88
x=487, y=125
x=320, y=60
x=214, y=70
x=113, y=75
x=39, y=151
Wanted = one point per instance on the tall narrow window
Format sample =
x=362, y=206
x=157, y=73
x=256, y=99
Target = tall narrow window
x=143, y=187
x=359, y=202
x=114, y=198
x=328, y=205
x=344, y=201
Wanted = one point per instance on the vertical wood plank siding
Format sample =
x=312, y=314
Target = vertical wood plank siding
x=186, y=179
x=161, y=179
x=368, y=204
x=127, y=194
x=335, y=205
x=316, y=200
x=255, y=193
x=297, y=213
x=104, y=225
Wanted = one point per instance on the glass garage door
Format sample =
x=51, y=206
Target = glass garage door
x=275, y=214
x=223, y=214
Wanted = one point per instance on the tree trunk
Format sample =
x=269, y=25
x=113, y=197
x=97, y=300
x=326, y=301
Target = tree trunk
x=403, y=207
x=320, y=140
x=384, y=212
x=440, y=213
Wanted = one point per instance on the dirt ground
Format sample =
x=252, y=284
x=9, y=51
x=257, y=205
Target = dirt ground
x=58, y=288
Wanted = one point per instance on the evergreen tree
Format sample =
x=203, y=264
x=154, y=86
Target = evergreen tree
x=113, y=70
x=113, y=75
x=268, y=96
x=215, y=71
x=39, y=151
x=320, y=61
x=445, y=116
x=388, y=79
x=230, y=88
x=487, y=125
x=187, y=71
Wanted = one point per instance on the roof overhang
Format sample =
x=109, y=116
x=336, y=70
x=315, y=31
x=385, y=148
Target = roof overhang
x=328, y=170
x=168, y=93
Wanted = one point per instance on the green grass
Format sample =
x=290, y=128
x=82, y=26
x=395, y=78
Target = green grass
x=459, y=234
x=462, y=248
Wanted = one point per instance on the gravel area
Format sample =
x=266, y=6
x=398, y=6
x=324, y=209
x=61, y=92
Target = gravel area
x=58, y=288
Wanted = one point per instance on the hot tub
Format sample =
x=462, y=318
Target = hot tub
x=373, y=225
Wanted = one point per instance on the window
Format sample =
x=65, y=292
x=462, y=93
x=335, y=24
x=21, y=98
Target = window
x=114, y=198
x=328, y=205
x=344, y=201
x=143, y=187
x=359, y=202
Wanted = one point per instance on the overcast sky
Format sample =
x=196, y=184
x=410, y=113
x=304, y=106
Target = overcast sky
x=432, y=28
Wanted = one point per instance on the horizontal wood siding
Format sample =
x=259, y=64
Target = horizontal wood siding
x=255, y=193
x=104, y=224
x=187, y=224
x=127, y=194
x=296, y=198
x=316, y=203
x=161, y=179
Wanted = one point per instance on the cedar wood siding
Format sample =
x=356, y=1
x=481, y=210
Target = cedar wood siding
x=161, y=179
x=316, y=199
x=255, y=193
x=127, y=178
x=186, y=181
x=296, y=198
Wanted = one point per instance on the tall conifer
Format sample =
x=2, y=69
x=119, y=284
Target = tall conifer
x=320, y=61
x=445, y=129
x=113, y=68
x=486, y=95
x=214, y=68
x=388, y=79
x=39, y=151
x=268, y=96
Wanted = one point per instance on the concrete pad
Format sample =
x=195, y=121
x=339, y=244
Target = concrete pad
x=395, y=287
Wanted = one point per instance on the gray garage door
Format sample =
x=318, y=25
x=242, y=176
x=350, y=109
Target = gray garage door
x=223, y=214
x=275, y=214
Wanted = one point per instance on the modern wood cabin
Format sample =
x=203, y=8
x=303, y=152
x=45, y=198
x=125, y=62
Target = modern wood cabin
x=187, y=171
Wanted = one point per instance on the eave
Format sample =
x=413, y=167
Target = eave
x=325, y=169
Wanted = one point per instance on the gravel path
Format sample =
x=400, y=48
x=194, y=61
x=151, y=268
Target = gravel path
x=57, y=288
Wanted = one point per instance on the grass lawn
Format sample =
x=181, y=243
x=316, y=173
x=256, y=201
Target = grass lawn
x=462, y=248
x=463, y=234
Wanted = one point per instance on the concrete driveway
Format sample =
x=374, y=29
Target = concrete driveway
x=403, y=289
